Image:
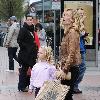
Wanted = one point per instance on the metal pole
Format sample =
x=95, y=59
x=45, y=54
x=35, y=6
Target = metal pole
x=43, y=11
x=60, y=27
x=96, y=34
x=55, y=35
x=98, y=14
x=20, y=22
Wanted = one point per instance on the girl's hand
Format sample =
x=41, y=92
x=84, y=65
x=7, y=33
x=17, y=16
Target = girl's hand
x=30, y=91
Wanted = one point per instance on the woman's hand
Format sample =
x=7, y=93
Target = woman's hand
x=60, y=75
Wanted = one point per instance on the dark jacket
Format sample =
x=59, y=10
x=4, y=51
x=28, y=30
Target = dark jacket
x=28, y=49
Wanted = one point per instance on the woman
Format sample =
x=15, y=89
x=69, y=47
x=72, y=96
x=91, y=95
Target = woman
x=42, y=34
x=70, y=56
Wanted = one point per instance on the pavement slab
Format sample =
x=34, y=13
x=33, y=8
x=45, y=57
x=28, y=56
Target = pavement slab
x=8, y=83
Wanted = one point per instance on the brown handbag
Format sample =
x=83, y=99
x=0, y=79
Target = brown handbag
x=67, y=76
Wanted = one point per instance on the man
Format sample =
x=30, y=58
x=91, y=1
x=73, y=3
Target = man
x=11, y=42
x=28, y=52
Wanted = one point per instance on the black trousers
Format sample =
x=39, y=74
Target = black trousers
x=74, y=75
x=12, y=55
x=24, y=79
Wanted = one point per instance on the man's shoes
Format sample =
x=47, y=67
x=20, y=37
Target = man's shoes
x=9, y=70
x=77, y=91
x=23, y=90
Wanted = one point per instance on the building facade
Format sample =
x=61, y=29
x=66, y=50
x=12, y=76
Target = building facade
x=51, y=19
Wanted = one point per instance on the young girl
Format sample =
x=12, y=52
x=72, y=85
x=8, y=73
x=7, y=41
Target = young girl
x=43, y=70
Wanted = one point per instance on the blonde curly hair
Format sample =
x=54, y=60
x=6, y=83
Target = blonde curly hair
x=48, y=54
x=80, y=19
x=75, y=19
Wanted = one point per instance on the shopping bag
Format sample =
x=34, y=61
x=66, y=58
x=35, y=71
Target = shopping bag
x=59, y=73
x=52, y=90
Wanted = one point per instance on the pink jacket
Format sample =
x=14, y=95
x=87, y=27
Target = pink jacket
x=41, y=72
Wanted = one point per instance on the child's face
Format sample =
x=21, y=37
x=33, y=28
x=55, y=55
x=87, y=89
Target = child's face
x=81, y=12
x=42, y=54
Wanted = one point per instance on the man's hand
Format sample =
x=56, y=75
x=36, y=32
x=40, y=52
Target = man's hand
x=6, y=45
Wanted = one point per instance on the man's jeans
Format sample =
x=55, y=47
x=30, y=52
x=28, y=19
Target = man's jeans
x=82, y=68
x=12, y=55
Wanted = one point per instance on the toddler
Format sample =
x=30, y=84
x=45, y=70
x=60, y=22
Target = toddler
x=43, y=70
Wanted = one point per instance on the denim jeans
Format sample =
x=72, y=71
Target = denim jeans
x=82, y=68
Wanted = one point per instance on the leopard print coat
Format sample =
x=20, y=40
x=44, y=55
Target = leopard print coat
x=70, y=49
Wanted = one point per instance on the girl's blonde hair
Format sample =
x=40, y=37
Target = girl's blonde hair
x=48, y=54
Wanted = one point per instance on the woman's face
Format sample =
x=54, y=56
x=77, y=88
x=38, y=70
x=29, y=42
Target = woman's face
x=34, y=21
x=67, y=17
x=42, y=54
x=29, y=21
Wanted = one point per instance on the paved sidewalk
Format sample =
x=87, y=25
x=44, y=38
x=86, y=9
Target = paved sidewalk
x=8, y=83
x=9, y=80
